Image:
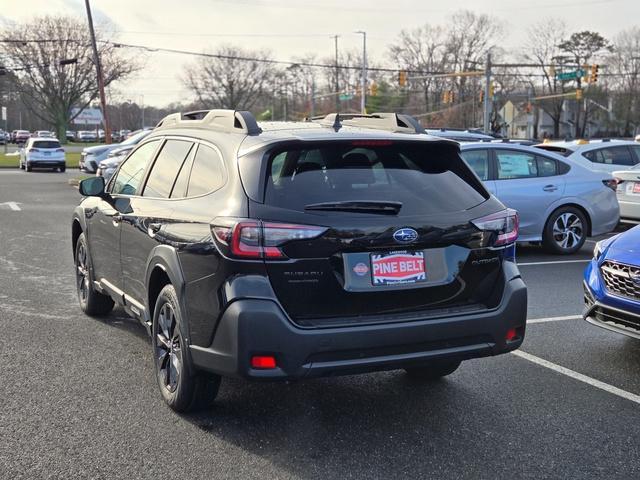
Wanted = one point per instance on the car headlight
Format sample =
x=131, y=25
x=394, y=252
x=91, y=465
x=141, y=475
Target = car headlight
x=597, y=250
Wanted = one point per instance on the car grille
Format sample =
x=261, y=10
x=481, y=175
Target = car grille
x=620, y=279
x=617, y=318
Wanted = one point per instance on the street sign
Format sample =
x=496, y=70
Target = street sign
x=571, y=75
x=345, y=96
x=88, y=116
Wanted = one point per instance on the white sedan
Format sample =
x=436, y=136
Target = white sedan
x=42, y=153
x=628, y=192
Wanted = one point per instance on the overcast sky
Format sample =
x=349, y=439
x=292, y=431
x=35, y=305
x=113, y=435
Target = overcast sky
x=296, y=27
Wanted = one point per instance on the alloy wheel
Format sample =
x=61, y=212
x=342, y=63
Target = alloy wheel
x=82, y=273
x=168, y=348
x=568, y=230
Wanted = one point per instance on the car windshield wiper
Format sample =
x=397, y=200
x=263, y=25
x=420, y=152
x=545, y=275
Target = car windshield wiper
x=359, y=206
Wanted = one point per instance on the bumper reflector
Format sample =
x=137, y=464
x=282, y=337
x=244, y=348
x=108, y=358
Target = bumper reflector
x=512, y=334
x=263, y=362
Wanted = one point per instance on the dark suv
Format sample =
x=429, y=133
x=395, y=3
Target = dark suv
x=285, y=251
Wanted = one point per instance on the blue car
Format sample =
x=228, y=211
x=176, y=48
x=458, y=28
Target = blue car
x=612, y=284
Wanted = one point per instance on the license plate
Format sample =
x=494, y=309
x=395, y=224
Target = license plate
x=397, y=267
x=47, y=154
x=636, y=188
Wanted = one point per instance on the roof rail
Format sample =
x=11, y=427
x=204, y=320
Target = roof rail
x=391, y=122
x=230, y=121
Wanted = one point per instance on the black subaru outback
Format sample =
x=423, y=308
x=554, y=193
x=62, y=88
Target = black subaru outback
x=278, y=251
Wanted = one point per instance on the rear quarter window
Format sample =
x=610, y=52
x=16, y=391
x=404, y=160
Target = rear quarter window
x=427, y=178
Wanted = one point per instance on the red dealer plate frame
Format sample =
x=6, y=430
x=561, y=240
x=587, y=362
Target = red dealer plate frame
x=636, y=188
x=397, y=268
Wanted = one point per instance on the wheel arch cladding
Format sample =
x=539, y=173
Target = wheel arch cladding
x=577, y=207
x=76, y=231
x=163, y=267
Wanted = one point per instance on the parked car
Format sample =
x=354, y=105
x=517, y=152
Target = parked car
x=605, y=155
x=87, y=136
x=42, y=153
x=107, y=167
x=91, y=157
x=628, y=191
x=21, y=136
x=4, y=137
x=274, y=252
x=612, y=284
x=560, y=202
x=43, y=134
x=71, y=136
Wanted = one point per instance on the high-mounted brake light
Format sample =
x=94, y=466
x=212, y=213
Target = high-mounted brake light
x=252, y=239
x=504, y=223
x=372, y=143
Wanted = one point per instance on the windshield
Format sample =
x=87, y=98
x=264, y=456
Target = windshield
x=134, y=139
x=423, y=178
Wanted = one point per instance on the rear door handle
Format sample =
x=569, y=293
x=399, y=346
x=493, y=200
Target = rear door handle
x=550, y=188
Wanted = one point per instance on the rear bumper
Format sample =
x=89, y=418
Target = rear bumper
x=46, y=163
x=259, y=327
x=630, y=210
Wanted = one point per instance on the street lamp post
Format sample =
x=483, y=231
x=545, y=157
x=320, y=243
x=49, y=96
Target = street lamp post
x=363, y=97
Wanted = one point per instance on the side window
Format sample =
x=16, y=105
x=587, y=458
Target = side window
x=478, y=160
x=207, y=173
x=180, y=187
x=636, y=150
x=132, y=171
x=611, y=156
x=547, y=167
x=165, y=169
x=514, y=164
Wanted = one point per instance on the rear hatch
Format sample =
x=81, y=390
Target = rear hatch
x=46, y=150
x=366, y=231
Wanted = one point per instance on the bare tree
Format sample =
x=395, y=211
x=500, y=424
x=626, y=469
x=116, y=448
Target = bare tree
x=625, y=60
x=229, y=81
x=542, y=47
x=50, y=88
x=582, y=47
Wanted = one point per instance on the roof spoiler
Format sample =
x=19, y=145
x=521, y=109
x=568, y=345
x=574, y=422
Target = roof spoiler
x=230, y=121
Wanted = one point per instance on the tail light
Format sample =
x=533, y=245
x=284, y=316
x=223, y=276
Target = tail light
x=59, y=149
x=503, y=224
x=33, y=150
x=612, y=183
x=253, y=239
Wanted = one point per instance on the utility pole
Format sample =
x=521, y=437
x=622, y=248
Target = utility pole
x=363, y=97
x=337, y=74
x=487, y=101
x=96, y=57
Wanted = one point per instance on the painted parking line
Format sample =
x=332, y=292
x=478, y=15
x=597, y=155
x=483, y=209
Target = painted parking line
x=578, y=376
x=528, y=264
x=554, y=319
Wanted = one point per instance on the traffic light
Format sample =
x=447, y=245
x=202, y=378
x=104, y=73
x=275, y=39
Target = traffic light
x=578, y=94
x=402, y=78
x=373, y=89
x=593, y=77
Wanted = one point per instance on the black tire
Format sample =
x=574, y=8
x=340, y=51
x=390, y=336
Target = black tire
x=91, y=301
x=434, y=371
x=565, y=231
x=28, y=168
x=63, y=169
x=182, y=388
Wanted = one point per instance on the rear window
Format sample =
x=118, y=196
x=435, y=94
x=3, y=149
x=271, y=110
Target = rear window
x=46, y=144
x=426, y=178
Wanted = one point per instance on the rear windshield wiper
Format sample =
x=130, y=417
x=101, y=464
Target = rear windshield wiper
x=359, y=206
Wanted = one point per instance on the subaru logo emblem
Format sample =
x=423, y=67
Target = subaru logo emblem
x=405, y=235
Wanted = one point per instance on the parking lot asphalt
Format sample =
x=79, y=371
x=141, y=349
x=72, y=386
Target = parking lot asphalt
x=79, y=399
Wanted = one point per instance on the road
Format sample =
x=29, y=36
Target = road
x=80, y=400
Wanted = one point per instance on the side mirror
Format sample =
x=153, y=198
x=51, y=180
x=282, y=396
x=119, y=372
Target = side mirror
x=92, y=187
